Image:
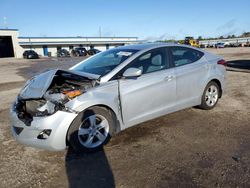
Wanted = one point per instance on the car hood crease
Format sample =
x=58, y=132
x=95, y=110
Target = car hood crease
x=37, y=86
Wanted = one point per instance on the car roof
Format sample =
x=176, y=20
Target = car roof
x=145, y=46
x=29, y=50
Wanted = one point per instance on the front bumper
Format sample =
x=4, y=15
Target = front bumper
x=58, y=123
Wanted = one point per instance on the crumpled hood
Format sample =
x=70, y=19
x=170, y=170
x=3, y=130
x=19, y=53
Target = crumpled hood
x=37, y=86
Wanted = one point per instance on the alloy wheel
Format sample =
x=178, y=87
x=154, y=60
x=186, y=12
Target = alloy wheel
x=211, y=95
x=93, y=131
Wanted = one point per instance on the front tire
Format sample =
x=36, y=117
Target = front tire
x=91, y=129
x=210, y=96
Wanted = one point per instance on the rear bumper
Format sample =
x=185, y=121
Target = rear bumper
x=58, y=123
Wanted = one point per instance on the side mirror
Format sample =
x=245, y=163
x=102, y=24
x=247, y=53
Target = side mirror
x=132, y=72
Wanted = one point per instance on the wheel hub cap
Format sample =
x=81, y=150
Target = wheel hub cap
x=93, y=131
x=211, y=96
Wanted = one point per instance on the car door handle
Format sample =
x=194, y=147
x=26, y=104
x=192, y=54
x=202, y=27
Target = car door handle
x=168, y=78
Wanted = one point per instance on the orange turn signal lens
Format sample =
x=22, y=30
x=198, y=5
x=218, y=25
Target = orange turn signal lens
x=72, y=94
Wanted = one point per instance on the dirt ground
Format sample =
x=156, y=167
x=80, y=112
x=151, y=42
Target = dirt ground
x=189, y=148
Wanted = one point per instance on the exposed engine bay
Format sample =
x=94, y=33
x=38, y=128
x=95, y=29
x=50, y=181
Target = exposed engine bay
x=63, y=87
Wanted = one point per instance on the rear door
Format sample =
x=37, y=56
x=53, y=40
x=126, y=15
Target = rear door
x=151, y=94
x=190, y=71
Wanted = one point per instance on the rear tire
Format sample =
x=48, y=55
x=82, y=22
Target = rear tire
x=91, y=129
x=210, y=96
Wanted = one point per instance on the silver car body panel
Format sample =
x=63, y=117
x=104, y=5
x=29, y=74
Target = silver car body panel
x=37, y=86
x=105, y=94
x=58, y=123
x=132, y=100
x=145, y=93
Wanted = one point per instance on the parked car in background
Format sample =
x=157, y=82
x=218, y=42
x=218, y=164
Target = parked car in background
x=93, y=51
x=235, y=44
x=220, y=45
x=226, y=44
x=30, y=54
x=210, y=46
x=247, y=44
x=63, y=53
x=202, y=46
x=79, y=52
x=114, y=90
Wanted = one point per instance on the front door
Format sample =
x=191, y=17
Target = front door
x=151, y=94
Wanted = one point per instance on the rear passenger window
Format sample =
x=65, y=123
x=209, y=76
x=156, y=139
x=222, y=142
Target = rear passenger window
x=182, y=56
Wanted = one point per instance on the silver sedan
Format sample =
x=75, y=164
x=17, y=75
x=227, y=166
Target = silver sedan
x=113, y=90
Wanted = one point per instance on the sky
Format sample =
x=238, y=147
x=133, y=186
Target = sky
x=146, y=19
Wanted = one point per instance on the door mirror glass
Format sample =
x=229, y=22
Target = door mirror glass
x=132, y=72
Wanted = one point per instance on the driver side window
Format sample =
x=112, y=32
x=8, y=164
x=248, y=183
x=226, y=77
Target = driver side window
x=154, y=60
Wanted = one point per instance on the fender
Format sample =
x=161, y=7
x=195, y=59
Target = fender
x=105, y=94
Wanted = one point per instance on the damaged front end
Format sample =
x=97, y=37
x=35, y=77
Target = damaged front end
x=48, y=92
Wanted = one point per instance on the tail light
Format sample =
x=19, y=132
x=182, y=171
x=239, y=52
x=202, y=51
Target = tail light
x=222, y=62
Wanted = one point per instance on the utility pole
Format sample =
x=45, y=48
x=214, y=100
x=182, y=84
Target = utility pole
x=100, y=32
x=5, y=22
x=30, y=43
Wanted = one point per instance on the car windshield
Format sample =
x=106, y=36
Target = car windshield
x=105, y=62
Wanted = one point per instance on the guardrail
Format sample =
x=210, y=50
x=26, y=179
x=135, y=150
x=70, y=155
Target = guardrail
x=231, y=41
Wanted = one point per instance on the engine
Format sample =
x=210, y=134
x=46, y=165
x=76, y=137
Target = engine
x=63, y=88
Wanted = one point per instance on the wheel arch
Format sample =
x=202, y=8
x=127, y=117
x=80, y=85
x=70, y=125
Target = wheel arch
x=109, y=109
x=117, y=128
x=217, y=81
